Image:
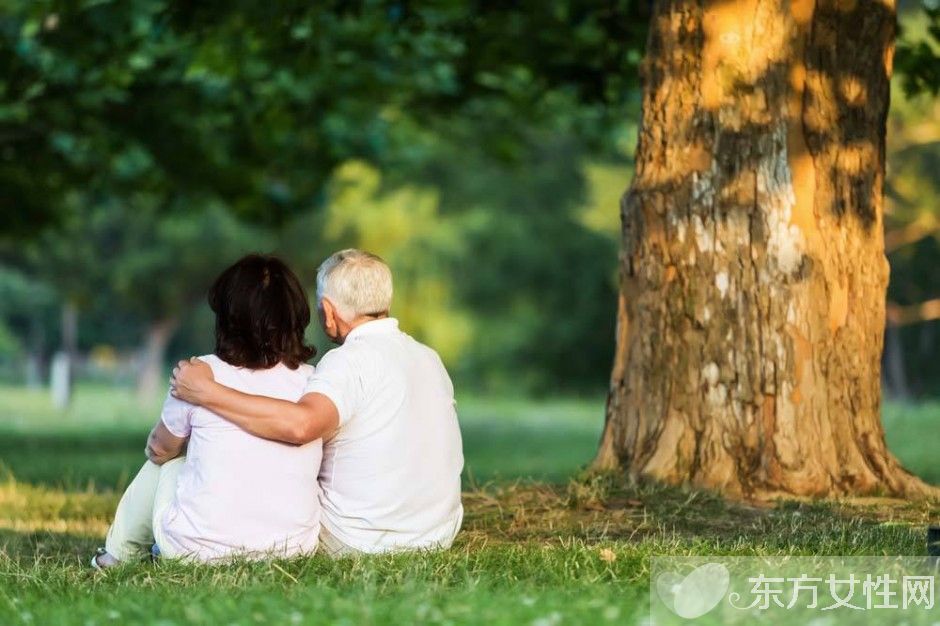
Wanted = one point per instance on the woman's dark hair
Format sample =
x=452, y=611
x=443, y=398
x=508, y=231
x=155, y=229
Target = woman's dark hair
x=261, y=312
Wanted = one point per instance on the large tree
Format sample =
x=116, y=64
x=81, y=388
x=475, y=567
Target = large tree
x=753, y=273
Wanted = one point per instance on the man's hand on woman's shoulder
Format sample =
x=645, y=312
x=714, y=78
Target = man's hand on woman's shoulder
x=191, y=380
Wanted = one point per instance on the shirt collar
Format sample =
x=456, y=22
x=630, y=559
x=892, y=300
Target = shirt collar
x=373, y=327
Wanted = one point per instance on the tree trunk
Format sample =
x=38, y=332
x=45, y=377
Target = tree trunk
x=34, y=353
x=753, y=273
x=62, y=373
x=894, y=376
x=150, y=378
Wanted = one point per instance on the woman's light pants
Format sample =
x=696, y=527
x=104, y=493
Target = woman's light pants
x=136, y=527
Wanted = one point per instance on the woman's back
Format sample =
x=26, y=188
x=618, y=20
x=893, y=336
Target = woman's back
x=238, y=493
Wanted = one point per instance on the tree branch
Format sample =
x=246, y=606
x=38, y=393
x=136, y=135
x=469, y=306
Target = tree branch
x=898, y=315
x=910, y=233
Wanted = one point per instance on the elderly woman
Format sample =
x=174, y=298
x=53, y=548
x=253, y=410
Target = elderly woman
x=234, y=494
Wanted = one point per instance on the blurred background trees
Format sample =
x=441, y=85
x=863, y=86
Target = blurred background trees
x=912, y=222
x=480, y=147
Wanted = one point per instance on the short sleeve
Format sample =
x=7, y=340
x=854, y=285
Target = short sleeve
x=337, y=379
x=177, y=416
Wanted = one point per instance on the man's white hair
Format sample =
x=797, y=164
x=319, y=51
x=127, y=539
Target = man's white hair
x=356, y=282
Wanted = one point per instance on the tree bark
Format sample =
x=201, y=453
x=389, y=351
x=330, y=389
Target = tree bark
x=753, y=273
x=150, y=378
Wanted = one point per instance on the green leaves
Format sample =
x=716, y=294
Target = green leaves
x=255, y=104
x=918, y=54
x=144, y=143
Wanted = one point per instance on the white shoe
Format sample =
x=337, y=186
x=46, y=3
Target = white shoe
x=94, y=559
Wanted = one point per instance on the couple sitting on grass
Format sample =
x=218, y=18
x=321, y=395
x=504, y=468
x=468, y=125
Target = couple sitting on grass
x=259, y=455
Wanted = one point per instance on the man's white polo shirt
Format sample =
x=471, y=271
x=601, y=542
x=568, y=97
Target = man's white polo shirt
x=390, y=477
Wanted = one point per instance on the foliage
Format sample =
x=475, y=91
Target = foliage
x=25, y=310
x=918, y=54
x=118, y=117
x=912, y=225
x=256, y=104
x=126, y=267
x=479, y=146
x=536, y=277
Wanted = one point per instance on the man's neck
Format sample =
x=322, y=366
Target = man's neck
x=359, y=321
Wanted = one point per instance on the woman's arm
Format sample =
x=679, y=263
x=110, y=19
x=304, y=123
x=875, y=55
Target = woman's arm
x=162, y=445
x=309, y=419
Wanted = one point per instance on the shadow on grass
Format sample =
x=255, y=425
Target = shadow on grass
x=106, y=459
x=517, y=521
x=673, y=520
x=73, y=460
x=48, y=547
x=591, y=510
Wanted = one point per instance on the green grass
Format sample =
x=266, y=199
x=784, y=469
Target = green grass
x=913, y=432
x=537, y=547
x=98, y=442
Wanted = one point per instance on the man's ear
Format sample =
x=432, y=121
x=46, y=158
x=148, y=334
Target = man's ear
x=329, y=316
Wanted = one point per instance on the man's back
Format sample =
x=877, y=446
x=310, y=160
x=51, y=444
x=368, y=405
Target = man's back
x=390, y=476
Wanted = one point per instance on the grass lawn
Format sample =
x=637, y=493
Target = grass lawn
x=538, y=547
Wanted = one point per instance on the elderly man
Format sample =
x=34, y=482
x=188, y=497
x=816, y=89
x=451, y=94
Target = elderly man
x=384, y=405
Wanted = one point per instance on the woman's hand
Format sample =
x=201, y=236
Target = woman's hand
x=191, y=381
x=162, y=445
